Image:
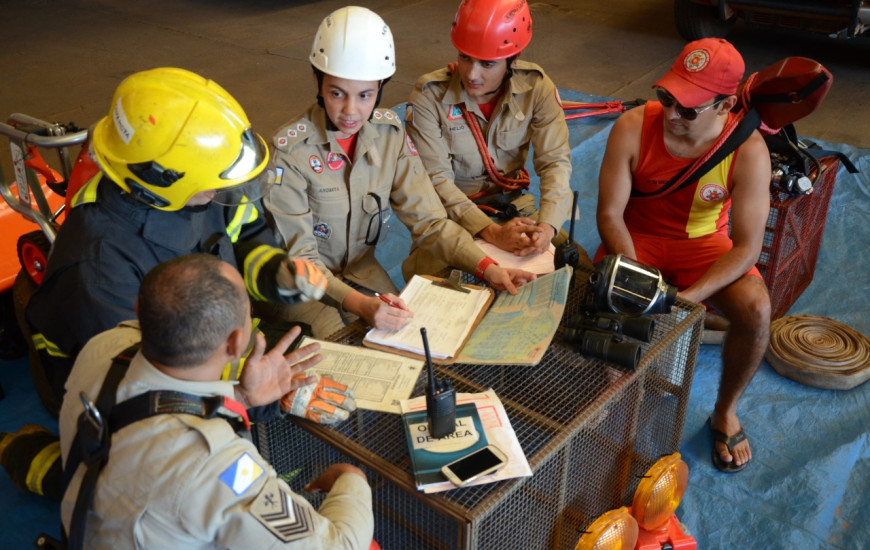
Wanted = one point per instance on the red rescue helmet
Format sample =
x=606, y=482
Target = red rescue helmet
x=492, y=29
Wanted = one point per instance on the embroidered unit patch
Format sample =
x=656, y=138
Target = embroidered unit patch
x=335, y=161
x=242, y=474
x=411, y=146
x=315, y=163
x=712, y=192
x=453, y=113
x=322, y=230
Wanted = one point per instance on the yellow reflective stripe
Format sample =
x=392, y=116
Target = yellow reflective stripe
x=233, y=369
x=254, y=262
x=40, y=465
x=246, y=213
x=88, y=192
x=40, y=342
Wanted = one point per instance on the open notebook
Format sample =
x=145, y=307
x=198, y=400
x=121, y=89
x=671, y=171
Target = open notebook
x=449, y=316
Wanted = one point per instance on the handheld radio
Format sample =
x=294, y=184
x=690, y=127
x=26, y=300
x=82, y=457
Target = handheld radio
x=567, y=253
x=440, y=400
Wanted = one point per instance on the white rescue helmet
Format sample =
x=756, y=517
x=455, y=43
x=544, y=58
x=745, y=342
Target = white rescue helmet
x=354, y=43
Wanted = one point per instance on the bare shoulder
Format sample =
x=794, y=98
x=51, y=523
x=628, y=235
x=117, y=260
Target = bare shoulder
x=753, y=161
x=626, y=132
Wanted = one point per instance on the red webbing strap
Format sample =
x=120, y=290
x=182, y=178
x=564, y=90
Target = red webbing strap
x=511, y=184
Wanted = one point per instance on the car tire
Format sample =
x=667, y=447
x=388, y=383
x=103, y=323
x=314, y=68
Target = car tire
x=696, y=21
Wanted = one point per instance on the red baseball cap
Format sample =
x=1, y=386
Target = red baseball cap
x=705, y=68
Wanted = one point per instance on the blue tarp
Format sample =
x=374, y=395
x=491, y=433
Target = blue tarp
x=808, y=483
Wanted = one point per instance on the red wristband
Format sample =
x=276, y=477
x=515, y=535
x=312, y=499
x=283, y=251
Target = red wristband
x=481, y=267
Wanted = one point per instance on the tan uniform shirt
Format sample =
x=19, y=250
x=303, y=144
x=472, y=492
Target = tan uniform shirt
x=527, y=114
x=181, y=481
x=323, y=204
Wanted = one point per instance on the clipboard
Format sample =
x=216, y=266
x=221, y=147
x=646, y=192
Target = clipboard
x=490, y=296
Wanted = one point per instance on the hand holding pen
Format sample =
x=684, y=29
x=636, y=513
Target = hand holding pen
x=391, y=313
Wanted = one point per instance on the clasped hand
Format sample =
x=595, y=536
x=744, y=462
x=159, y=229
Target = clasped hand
x=520, y=236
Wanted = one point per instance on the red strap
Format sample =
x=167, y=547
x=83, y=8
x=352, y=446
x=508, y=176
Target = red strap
x=511, y=184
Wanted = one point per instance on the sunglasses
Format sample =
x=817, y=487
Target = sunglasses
x=686, y=113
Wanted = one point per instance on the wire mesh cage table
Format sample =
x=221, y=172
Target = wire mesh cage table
x=588, y=429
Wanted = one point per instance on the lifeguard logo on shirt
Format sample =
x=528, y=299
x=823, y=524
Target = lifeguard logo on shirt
x=712, y=192
x=411, y=146
x=453, y=113
x=321, y=230
x=315, y=163
x=275, y=508
x=335, y=161
x=696, y=60
x=242, y=474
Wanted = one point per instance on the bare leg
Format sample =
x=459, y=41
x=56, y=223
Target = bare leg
x=746, y=304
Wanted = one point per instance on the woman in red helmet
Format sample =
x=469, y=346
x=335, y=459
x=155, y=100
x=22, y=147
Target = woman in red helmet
x=514, y=105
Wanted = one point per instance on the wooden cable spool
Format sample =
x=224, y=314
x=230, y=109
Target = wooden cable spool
x=819, y=351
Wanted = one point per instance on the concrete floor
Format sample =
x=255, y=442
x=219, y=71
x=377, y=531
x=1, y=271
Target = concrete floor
x=61, y=60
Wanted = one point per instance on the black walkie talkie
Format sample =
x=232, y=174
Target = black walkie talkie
x=567, y=252
x=440, y=400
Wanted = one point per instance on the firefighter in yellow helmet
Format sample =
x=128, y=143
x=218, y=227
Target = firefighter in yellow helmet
x=343, y=164
x=482, y=180
x=181, y=172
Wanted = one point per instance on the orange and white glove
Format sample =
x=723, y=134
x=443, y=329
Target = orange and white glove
x=301, y=279
x=325, y=402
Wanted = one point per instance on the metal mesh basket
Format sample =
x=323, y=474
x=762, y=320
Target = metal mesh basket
x=792, y=238
x=588, y=429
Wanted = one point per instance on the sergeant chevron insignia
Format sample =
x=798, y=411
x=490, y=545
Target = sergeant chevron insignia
x=279, y=513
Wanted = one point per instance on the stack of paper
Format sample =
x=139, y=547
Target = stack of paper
x=447, y=315
x=489, y=426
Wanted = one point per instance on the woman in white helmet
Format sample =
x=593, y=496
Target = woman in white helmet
x=341, y=165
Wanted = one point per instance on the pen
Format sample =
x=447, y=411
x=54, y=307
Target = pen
x=387, y=301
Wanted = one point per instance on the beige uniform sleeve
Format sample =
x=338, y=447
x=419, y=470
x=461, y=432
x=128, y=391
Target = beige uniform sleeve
x=418, y=206
x=287, y=203
x=237, y=501
x=551, y=154
x=424, y=127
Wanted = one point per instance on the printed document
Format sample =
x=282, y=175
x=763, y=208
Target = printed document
x=447, y=315
x=499, y=432
x=379, y=380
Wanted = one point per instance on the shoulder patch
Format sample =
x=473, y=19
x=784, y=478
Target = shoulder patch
x=242, y=474
x=386, y=116
x=280, y=514
x=291, y=134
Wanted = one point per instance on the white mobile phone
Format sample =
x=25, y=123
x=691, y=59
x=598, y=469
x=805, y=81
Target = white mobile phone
x=473, y=465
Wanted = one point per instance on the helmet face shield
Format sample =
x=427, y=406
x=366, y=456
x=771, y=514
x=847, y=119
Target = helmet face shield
x=250, y=191
x=252, y=155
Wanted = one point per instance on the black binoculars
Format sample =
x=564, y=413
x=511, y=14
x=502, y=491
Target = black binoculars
x=599, y=335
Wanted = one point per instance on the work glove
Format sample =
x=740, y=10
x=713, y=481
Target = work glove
x=301, y=279
x=325, y=402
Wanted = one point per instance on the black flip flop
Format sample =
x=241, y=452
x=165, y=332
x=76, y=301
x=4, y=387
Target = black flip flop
x=730, y=442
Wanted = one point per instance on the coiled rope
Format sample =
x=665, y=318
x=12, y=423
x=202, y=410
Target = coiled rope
x=818, y=351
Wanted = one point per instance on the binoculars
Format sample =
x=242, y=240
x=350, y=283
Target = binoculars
x=599, y=335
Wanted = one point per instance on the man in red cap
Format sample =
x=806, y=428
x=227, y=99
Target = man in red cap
x=684, y=231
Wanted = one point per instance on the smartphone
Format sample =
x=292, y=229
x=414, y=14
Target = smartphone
x=471, y=466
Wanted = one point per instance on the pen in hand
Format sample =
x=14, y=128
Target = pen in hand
x=387, y=301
